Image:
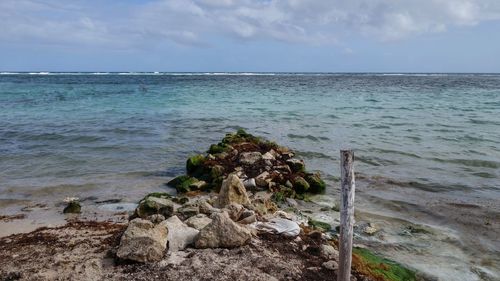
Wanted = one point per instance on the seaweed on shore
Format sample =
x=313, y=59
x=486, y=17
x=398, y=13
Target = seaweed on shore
x=378, y=268
x=261, y=164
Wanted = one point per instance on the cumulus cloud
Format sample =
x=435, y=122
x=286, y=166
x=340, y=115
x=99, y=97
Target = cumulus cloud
x=193, y=22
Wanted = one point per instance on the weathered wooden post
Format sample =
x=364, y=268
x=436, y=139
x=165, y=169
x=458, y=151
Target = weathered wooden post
x=346, y=214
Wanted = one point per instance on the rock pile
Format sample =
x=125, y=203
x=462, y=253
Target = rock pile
x=230, y=219
x=143, y=241
x=260, y=164
x=161, y=220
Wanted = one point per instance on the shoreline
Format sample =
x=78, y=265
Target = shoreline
x=397, y=228
x=30, y=216
x=85, y=249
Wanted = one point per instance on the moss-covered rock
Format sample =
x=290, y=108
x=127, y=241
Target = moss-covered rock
x=217, y=148
x=186, y=183
x=296, y=165
x=316, y=183
x=155, y=203
x=180, y=200
x=195, y=163
x=380, y=268
x=300, y=185
x=320, y=225
x=250, y=156
x=73, y=207
x=242, y=136
x=283, y=193
x=188, y=211
x=158, y=195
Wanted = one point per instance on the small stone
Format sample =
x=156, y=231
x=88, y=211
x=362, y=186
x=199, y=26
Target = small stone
x=250, y=158
x=143, y=241
x=156, y=218
x=287, y=154
x=179, y=234
x=296, y=165
x=329, y=252
x=268, y=156
x=262, y=180
x=73, y=207
x=241, y=175
x=216, y=171
x=247, y=217
x=331, y=265
x=315, y=182
x=222, y=232
x=370, y=230
x=188, y=211
x=198, y=222
x=283, y=168
x=154, y=205
x=300, y=185
x=194, y=163
x=249, y=183
x=206, y=208
x=232, y=191
x=181, y=200
x=197, y=185
x=234, y=211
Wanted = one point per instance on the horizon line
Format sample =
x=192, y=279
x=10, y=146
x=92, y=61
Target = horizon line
x=34, y=72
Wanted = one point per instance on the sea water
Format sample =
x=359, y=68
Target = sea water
x=416, y=137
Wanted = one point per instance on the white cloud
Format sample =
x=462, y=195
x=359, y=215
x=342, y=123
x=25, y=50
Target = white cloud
x=192, y=22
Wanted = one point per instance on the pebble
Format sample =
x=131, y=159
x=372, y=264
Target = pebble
x=331, y=265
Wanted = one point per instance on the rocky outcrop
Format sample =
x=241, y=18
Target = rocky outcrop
x=260, y=164
x=179, y=234
x=222, y=232
x=232, y=191
x=143, y=241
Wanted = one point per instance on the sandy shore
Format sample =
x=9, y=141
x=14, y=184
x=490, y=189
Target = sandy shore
x=85, y=250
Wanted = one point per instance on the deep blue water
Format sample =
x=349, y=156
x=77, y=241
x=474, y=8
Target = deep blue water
x=115, y=133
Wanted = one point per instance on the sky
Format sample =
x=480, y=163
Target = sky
x=250, y=35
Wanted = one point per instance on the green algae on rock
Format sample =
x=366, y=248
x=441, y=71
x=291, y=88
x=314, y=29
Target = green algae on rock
x=73, y=207
x=194, y=163
x=320, y=225
x=263, y=164
x=155, y=203
x=300, y=185
x=316, y=183
x=185, y=184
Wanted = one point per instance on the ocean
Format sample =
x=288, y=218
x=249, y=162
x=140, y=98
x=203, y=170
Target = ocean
x=427, y=146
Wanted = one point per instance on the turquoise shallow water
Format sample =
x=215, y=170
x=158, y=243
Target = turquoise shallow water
x=427, y=146
x=439, y=132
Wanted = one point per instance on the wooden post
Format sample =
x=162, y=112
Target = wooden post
x=346, y=214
